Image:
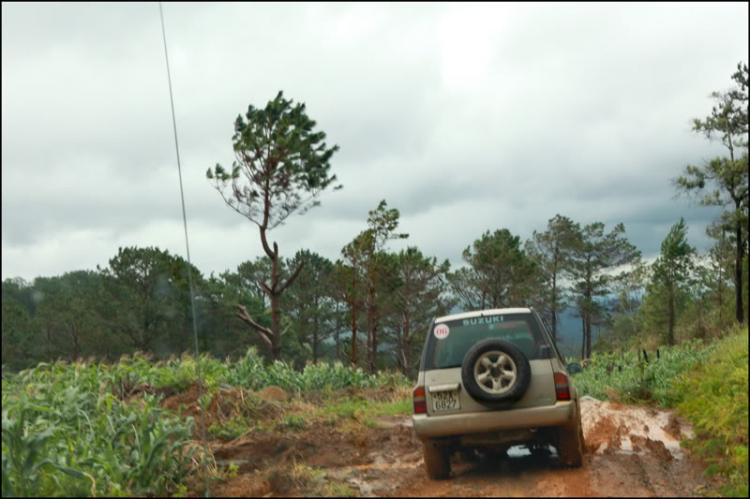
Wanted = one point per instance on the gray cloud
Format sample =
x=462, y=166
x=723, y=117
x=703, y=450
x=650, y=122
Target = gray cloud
x=465, y=117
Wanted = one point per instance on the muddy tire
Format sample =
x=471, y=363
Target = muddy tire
x=539, y=451
x=495, y=371
x=571, y=445
x=437, y=460
x=469, y=455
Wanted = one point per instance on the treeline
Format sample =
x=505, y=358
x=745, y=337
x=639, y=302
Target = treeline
x=372, y=306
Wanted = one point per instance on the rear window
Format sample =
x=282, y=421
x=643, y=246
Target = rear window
x=449, y=341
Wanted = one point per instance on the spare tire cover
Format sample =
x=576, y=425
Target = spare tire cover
x=494, y=370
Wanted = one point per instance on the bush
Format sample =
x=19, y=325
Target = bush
x=645, y=381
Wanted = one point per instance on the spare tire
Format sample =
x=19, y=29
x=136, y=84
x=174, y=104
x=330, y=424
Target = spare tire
x=495, y=371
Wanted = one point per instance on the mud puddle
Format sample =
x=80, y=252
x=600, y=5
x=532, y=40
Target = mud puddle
x=631, y=451
x=626, y=430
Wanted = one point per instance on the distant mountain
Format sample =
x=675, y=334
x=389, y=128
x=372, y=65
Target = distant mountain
x=570, y=332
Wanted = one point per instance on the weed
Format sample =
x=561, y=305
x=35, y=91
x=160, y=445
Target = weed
x=371, y=423
x=292, y=422
x=231, y=429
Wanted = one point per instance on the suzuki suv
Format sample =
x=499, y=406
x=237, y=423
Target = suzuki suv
x=490, y=380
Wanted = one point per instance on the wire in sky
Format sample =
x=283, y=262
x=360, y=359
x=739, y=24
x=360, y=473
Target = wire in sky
x=190, y=265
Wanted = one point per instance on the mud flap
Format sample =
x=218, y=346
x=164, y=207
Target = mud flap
x=437, y=459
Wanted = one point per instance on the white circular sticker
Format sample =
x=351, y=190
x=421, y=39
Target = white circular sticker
x=442, y=331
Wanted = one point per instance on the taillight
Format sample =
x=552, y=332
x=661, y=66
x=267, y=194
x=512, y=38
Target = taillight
x=562, y=390
x=420, y=404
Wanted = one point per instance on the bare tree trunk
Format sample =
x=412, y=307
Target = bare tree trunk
x=588, y=335
x=374, y=350
x=583, y=335
x=721, y=254
x=354, y=336
x=372, y=341
x=407, y=355
x=738, y=270
x=275, y=327
x=315, y=340
x=407, y=335
x=554, y=306
x=338, y=332
x=76, y=344
x=670, y=335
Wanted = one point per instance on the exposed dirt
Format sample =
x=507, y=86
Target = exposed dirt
x=628, y=454
x=631, y=451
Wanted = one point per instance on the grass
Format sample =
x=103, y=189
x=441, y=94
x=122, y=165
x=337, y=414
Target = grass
x=231, y=429
x=305, y=481
x=360, y=408
x=293, y=422
x=707, y=383
x=641, y=381
x=714, y=397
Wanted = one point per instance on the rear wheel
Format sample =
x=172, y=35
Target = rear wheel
x=437, y=460
x=469, y=455
x=539, y=450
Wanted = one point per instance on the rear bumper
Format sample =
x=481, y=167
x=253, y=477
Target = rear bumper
x=560, y=414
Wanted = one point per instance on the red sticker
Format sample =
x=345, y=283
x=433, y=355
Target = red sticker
x=442, y=331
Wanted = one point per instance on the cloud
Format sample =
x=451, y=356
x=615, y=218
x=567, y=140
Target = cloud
x=466, y=118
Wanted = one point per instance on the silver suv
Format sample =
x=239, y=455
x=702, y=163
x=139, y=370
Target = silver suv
x=492, y=379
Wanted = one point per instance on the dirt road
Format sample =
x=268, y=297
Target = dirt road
x=631, y=451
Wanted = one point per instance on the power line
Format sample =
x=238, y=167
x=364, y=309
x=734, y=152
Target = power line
x=190, y=265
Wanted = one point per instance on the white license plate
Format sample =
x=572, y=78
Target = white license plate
x=445, y=401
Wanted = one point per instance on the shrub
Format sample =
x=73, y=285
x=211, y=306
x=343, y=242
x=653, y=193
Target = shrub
x=645, y=380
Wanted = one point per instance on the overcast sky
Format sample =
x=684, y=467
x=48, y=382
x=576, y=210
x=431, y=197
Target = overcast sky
x=465, y=117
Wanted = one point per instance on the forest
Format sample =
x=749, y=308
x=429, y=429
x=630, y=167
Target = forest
x=372, y=306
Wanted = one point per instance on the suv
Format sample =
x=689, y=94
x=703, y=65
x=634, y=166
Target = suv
x=490, y=380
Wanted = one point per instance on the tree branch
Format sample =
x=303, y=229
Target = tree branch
x=292, y=278
x=265, y=333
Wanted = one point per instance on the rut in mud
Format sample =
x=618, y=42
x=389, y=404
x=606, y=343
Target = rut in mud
x=631, y=451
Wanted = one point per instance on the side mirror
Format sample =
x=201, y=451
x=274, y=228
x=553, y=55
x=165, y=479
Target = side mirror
x=574, y=368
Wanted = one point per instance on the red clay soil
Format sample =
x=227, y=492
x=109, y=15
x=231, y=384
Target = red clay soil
x=673, y=428
x=387, y=460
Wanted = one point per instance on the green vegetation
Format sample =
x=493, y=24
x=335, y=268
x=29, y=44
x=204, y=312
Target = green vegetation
x=310, y=482
x=281, y=167
x=65, y=434
x=641, y=381
x=714, y=398
x=230, y=429
x=93, y=429
x=359, y=408
x=292, y=422
x=707, y=383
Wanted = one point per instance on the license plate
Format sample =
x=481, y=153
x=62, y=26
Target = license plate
x=445, y=401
